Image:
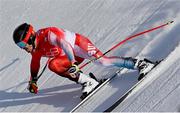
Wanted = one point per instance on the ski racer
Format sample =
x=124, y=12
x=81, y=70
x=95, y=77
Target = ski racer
x=66, y=51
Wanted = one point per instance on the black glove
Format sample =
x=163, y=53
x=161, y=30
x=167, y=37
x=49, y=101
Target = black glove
x=32, y=87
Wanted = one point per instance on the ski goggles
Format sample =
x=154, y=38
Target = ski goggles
x=24, y=42
x=22, y=45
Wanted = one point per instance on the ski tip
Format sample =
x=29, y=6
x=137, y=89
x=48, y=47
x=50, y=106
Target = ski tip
x=169, y=22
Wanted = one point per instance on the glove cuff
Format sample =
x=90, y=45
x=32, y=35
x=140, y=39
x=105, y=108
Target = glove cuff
x=32, y=82
x=34, y=79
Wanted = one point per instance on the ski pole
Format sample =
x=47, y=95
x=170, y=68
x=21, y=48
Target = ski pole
x=43, y=69
x=127, y=39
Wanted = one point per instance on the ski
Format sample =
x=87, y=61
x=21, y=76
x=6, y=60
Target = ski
x=84, y=99
x=103, y=83
x=112, y=107
x=84, y=95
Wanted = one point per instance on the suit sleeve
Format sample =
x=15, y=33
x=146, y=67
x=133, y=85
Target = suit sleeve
x=62, y=43
x=35, y=65
x=67, y=49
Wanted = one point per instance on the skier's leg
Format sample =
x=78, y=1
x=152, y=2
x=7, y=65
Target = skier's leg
x=88, y=50
x=143, y=66
x=63, y=67
x=127, y=62
x=59, y=65
x=84, y=48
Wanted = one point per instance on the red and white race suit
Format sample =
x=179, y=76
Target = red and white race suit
x=65, y=48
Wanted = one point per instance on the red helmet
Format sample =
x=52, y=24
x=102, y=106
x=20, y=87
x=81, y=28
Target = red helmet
x=24, y=34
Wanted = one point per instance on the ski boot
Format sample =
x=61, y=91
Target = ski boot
x=88, y=84
x=144, y=66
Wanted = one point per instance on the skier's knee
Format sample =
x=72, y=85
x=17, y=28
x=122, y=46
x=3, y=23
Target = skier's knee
x=67, y=71
x=59, y=66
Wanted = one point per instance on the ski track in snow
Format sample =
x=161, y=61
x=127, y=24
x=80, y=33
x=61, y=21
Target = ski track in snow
x=106, y=22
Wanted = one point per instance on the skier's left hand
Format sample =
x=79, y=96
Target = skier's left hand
x=32, y=87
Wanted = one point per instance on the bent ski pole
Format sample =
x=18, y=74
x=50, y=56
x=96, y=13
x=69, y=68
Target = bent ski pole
x=127, y=39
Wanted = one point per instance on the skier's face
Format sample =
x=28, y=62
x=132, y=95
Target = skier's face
x=28, y=48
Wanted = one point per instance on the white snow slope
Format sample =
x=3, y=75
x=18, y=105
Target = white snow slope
x=105, y=22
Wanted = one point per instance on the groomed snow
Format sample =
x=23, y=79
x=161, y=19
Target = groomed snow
x=105, y=22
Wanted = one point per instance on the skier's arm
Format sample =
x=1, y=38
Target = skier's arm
x=35, y=65
x=34, y=68
x=57, y=40
x=67, y=49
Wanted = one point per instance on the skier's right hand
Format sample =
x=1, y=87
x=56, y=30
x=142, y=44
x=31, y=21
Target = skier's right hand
x=32, y=87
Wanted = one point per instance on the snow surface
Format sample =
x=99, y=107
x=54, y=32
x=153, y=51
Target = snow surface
x=105, y=22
